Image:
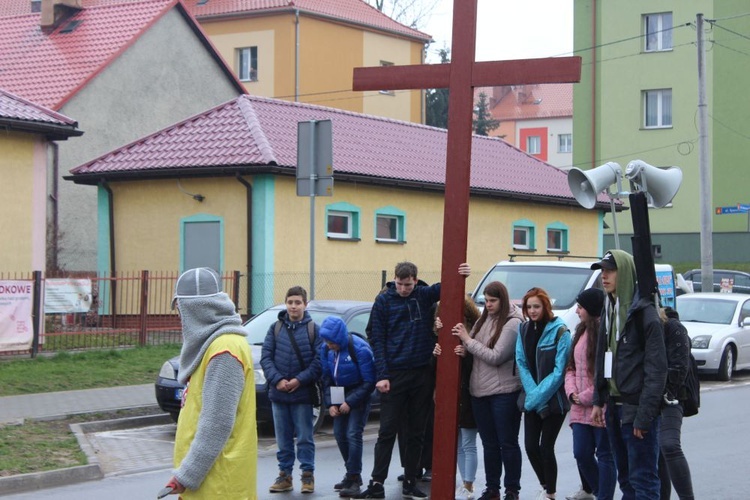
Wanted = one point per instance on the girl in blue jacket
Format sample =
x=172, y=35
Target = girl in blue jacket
x=348, y=381
x=542, y=350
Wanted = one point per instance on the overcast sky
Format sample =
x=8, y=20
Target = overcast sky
x=510, y=29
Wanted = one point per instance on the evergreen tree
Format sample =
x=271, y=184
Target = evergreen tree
x=484, y=123
x=437, y=99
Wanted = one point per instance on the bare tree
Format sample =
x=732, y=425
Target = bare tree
x=413, y=13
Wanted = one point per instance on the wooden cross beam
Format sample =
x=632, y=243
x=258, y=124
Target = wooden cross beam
x=460, y=76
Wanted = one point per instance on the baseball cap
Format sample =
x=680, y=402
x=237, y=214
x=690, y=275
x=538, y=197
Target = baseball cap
x=607, y=262
x=198, y=282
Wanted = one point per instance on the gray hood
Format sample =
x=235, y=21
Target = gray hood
x=204, y=319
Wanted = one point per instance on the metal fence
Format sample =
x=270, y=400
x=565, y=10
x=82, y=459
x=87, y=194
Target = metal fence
x=134, y=308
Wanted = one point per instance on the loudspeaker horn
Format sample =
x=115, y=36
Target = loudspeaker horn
x=659, y=184
x=586, y=185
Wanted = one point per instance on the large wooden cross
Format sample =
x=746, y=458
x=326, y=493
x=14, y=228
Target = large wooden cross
x=460, y=76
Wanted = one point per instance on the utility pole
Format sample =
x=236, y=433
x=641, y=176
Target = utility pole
x=704, y=167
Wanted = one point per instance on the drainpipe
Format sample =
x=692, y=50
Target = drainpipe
x=593, y=84
x=296, y=54
x=54, y=241
x=249, y=202
x=112, y=261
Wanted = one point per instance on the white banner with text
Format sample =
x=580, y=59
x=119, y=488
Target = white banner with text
x=16, y=303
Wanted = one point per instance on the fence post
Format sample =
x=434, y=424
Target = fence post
x=144, y=309
x=37, y=313
x=236, y=291
x=383, y=278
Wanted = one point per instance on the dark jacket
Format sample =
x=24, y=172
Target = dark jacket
x=465, y=411
x=279, y=359
x=402, y=337
x=357, y=377
x=545, y=393
x=677, y=344
x=639, y=368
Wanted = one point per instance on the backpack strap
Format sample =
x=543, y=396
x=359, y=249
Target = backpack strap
x=352, y=352
x=560, y=332
x=310, y=331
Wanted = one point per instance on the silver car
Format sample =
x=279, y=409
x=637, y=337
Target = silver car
x=719, y=329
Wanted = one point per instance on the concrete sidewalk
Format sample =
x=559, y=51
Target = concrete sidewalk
x=54, y=404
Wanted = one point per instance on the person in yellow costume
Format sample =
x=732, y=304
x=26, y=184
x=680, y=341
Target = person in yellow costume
x=216, y=445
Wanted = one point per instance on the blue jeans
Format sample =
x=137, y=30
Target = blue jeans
x=499, y=421
x=348, y=432
x=594, y=458
x=467, y=454
x=290, y=420
x=636, y=459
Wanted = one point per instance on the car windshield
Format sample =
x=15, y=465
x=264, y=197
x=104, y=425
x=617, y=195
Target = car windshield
x=563, y=284
x=258, y=325
x=706, y=311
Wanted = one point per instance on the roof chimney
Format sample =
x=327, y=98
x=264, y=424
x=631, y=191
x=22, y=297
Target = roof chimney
x=55, y=12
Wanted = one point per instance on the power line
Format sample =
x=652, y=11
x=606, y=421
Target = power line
x=729, y=17
x=633, y=153
x=730, y=48
x=727, y=29
x=729, y=128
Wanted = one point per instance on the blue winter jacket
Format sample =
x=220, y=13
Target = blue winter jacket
x=279, y=359
x=547, y=392
x=357, y=378
x=402, y=337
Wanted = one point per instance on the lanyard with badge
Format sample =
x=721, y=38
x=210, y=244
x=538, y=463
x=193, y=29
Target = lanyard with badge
x=612, y=316
x=337, y=392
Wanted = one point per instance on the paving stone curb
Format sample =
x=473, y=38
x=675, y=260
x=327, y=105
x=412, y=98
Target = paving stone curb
x=61, y=477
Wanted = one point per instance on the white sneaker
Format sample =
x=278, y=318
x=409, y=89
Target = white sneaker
x=581, y=494
x=463, y=494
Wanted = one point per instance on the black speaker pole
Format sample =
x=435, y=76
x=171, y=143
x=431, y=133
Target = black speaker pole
x=641, y=240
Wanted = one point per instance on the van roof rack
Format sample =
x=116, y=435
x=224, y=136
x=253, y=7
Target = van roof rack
x=557, y=256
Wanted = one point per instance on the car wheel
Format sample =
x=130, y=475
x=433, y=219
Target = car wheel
x=319, y=414
x=727, y=364
x=174, y=415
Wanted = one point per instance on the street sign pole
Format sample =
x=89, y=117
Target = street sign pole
x=314, y=173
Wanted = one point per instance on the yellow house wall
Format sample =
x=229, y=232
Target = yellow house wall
x=148, y=214
x=328, y=53
x=17, y=152
x=400, y=104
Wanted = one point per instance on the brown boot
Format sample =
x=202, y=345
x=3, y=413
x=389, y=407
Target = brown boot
x=282, y=483
x=308, y=482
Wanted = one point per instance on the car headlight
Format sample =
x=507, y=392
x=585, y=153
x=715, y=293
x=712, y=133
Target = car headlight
x=167, y=371
x=260, y=377
x=701, y=341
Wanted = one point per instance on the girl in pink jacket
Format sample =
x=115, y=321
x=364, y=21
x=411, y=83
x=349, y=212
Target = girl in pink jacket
x=590, y=443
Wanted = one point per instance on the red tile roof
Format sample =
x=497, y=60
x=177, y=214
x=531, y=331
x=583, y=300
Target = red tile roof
x=50, y=68
x=17, y=108
x=351, y=11
x=255, y=134
x=551, y=100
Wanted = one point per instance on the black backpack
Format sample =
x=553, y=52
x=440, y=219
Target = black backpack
x=693, y=388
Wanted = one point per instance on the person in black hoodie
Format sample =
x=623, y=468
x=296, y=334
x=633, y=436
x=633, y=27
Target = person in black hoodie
x=673, y=466
x=630, y=373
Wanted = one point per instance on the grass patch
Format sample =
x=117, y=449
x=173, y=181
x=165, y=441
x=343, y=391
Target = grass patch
x=66, y=371
x=48, y=445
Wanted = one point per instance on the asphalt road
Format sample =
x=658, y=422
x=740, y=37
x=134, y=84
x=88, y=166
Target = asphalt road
x=715, y=442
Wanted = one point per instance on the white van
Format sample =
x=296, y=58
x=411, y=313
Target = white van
x=563, y=281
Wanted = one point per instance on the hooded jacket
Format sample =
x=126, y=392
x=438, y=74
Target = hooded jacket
x=402, y=337
x=279, y=359
x=493, y=370
x=631, y=329
x=546, y=392
x=338, y=367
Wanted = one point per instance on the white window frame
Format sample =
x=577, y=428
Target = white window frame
x=350, y=224
x=245, y=70
x=661, y=113
x=527, y=237
x=389, y=217
x=565, y=143
x=660, y=39
x=561, y=232
x=534, y=140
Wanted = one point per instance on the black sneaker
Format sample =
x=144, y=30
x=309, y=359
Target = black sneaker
x=341, y=484
x=510, y=495
x=410, y=490
x=427, y=476
x=374, y=490
x=350, y=486
x=490, y=494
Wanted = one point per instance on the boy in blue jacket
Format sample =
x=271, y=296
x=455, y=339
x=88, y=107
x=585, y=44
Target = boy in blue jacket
x=348, y=379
